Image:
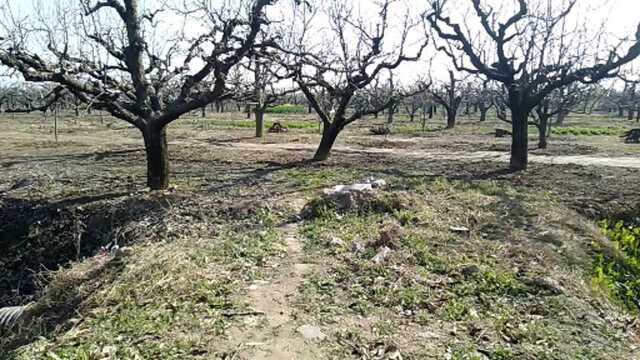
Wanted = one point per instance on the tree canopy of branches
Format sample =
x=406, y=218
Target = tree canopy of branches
x=333, y=75
x=530, y=52
x=107, y=54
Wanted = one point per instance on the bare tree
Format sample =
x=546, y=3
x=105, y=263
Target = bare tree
x=450, y=96
x=108, y=54
x=417, y=102
x=268, y=89
x=331, y=76
x=483, y=95
x=630, y=98
x=529, y=51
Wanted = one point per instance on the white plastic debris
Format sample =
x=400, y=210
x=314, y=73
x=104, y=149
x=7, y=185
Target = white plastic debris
x=311, y=333
x=368, y=185
x=382, y=255
x=338, y=189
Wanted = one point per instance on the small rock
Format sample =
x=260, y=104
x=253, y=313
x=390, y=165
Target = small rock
x=546, y=284
x=429, y=335
x=470, y=270
x=382, y=255
x=377, y=183
x=357, y=247
x=311, y=333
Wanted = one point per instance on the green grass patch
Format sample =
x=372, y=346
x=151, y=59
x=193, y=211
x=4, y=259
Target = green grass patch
x=618, y=269
x=588, y=131
x=287, y=109
x=251, y=124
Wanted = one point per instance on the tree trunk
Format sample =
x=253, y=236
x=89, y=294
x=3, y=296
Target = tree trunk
x=155, y=141
x=542, y=132
x=631, y=114
x=520, y=140
x=620, y=111
x=390, y=114
x=432, y=110
x=259, y=121
x=451, y=118
x=562, y=115
x=329, y=135
x=204, y=112
x=483, y=113
x=55, y=124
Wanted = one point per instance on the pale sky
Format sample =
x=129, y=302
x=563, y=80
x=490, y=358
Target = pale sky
x=621, y=16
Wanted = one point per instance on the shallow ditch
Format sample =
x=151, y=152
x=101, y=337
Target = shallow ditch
x=39, y=237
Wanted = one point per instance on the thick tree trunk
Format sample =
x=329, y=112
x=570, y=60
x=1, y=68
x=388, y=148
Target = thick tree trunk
x=432, y=110
x=451, y=118
x=631, y=114
x=542, y=133
x=520, y=140
x=259, y=122
x=155, y=141
x=329, y=136
x=620, y=111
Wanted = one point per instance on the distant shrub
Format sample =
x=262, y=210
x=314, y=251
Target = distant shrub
x=287, y=109
x=618, y=269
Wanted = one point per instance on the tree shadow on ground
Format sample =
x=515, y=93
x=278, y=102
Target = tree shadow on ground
x=96, y=156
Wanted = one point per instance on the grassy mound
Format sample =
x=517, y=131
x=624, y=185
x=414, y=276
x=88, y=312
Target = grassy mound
x=475, y=272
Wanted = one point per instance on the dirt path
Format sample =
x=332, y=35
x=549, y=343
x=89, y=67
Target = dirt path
x=584, y=160
x=276, y=336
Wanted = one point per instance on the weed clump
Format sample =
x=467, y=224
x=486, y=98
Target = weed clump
x=617, y=269
x=357, y=202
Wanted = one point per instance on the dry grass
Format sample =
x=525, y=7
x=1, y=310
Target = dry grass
x=517, y=284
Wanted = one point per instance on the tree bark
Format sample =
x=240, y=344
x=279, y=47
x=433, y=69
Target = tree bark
x=520, y=140
x=631, y=114
x=542, y=132
x=155, y=141
x=329, y=136
x=259, y=122
x=390, y=114
x=451, y=118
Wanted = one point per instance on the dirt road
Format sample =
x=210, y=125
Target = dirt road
x=584, y=160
